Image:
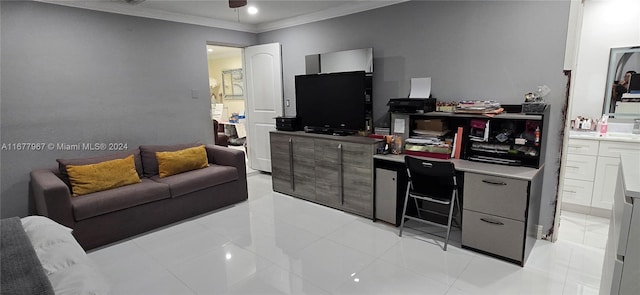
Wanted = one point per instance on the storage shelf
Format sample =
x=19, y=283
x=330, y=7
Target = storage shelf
x=513, y=116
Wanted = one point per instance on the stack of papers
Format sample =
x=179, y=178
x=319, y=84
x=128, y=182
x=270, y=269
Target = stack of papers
x=477, y=106
x=429, y=133
x=432, y=145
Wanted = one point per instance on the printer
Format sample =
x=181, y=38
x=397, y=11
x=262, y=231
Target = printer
x=412, y=105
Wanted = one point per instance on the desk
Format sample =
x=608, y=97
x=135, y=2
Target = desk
x=500, y=204
x=240, y=130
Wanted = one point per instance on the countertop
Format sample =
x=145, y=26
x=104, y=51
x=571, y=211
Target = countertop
x=631, y=175
x=349, y=138
x=522, y=173
x=610, y=136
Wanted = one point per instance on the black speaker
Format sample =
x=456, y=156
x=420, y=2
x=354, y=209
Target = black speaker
x=288, y=123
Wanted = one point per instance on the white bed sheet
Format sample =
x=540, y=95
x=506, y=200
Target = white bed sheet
x=67, y=266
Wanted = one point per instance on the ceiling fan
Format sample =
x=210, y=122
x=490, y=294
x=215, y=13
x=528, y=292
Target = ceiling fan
x=237, y=3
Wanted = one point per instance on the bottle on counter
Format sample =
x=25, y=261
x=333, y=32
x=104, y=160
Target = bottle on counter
x=602, y=131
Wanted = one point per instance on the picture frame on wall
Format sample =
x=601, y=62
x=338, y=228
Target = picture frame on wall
x=233, y=84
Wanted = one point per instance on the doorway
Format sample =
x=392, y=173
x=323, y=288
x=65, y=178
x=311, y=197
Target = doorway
x=228, y=95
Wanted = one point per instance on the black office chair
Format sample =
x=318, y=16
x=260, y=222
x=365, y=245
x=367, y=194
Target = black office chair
x=434, y=182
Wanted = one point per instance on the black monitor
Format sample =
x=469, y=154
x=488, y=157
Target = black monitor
x=331, y=102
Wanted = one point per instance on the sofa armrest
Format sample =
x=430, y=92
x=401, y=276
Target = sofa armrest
x=229, y=157
x=51, y=196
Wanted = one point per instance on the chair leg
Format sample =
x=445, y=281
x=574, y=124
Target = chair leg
x=459, y=220
x=415, y=200
x=453, y=203
x=404, y=210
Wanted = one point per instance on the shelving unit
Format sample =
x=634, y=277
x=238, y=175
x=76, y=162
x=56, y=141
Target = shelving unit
x=368, y=103
x=510, y=138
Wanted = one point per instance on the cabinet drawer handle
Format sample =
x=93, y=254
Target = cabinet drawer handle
x=572, y=167
x=340, y=175
x=293, y=186
x=492, y=221
x=494, y=182
x=573, y=192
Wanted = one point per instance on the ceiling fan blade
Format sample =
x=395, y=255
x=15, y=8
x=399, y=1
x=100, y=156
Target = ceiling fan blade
x=237, y=3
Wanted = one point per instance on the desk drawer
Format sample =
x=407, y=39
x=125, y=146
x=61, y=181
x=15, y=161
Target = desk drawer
x=500, y=196
x=582, y=147
x=580, y=167
x=493, y=234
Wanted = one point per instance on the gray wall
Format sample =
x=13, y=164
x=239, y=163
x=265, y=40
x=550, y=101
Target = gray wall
x=72, y=75
x=472, y=50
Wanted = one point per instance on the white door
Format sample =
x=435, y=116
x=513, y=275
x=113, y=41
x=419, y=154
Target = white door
x=263, y=74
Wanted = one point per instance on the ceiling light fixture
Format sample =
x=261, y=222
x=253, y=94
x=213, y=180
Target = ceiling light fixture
x=252, y=10
x=237, y=3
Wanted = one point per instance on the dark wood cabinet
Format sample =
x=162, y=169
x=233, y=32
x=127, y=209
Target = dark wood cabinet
x=329, y=171
x=293, y=166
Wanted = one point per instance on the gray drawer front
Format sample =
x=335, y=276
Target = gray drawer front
x=479, y=231
x=500, y=196
x=327, y=151
x=359, y=155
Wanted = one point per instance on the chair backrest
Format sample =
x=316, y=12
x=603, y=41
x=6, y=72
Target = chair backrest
x=430, y=177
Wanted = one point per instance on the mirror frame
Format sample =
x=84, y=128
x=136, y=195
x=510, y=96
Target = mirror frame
x=232, y=84
x=612, y=71
x=340, y=61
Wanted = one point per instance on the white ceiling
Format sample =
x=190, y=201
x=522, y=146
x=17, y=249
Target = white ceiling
x=272, y=14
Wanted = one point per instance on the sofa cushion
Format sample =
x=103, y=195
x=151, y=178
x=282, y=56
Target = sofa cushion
x=171, y=163
x=148, y=155
x=62, y=163
x=86, y=179
x=118, y=198
x=191, y=181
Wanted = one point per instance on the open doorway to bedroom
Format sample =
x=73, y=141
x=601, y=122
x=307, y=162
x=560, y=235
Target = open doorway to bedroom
x=228, y=97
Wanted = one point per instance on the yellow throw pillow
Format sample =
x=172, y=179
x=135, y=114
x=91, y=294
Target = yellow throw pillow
x=171, y=163
x=86, y=179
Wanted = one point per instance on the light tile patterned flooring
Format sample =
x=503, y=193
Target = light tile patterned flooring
x=277, y=244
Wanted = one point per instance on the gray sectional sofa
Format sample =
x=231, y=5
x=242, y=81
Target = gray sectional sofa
x=107, y=216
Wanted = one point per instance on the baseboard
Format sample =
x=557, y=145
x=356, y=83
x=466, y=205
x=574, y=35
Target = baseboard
x=599, y=212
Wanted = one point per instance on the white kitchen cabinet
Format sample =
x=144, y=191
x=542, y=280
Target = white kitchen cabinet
x=582, y=147
x=580, y=167
x=591, y=170
x=577, y=192
x=605, y=182
x=580, y=170
x=621, y=265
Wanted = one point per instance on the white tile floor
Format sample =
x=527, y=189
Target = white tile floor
x=246, y=158
x=276, y=244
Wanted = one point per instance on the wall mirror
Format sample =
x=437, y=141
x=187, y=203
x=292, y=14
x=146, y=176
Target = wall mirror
x=621, y=60
x=232, y=84
x=340, y=61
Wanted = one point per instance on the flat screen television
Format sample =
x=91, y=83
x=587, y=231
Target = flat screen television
x=331, y=103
